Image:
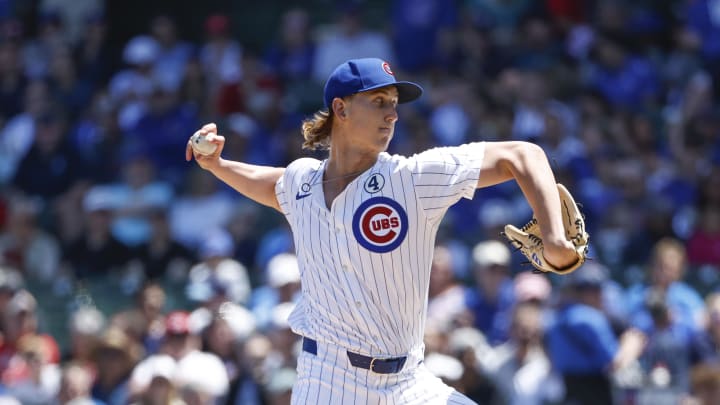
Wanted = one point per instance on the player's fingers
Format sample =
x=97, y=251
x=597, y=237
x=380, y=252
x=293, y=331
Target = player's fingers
x=188, y=151
x=215, y=138
x=209, y=128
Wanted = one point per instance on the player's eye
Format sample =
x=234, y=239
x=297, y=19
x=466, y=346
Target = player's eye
x=383, y=102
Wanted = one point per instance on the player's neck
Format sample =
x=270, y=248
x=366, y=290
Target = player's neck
x=341, y=169
x=347, y=164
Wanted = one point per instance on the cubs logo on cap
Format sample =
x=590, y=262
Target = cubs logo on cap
x=365, y=74
x=386, y=68
x=380, y=224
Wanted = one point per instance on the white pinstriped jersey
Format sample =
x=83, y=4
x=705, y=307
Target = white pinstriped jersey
x=365, y=262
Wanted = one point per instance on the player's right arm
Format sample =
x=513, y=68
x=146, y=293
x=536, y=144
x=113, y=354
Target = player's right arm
x=253, y=181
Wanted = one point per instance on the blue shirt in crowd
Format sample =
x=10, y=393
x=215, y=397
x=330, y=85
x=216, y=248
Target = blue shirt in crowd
x=580, y=341
x=684, y=302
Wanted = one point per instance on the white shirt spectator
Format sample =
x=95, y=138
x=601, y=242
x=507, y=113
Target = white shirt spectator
x=528, y=383
x=201, y=371
x=348, y=40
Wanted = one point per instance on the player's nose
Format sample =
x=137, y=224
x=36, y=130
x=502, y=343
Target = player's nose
x=392, y=115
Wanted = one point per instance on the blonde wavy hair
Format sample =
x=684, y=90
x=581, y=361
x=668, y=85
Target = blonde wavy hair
x=316, y=130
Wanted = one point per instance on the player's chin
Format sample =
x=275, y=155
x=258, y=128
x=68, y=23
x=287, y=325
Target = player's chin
x=386, y=134
x=384, y=142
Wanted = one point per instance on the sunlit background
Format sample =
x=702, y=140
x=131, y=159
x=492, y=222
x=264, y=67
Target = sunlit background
x=128, y=275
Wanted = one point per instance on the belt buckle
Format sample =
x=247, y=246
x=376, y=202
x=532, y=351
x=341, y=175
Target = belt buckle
x=372, y=364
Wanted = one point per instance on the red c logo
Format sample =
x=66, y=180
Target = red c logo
x=386, y=68
x=370, y=227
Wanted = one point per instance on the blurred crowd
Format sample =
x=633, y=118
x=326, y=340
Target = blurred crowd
x=128, y=275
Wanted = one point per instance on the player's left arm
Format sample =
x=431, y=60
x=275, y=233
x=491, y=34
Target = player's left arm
x=528, y=165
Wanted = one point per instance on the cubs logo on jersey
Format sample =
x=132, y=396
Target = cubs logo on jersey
x=380, y=224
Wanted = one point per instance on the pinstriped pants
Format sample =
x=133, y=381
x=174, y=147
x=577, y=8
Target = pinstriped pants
x=329, y=378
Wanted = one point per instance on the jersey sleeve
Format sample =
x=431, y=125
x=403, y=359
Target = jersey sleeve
x=282, y=193
x=441, y=176
x=290, y=182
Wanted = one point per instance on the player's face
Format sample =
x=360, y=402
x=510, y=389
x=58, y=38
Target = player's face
x=373, y=115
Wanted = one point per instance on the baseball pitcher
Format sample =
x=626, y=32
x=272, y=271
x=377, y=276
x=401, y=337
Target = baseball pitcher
x=364, y=225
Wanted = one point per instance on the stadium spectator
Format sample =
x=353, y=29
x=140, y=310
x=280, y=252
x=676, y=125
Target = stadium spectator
x=225, y=332
x=95, y=58
x=51, y=167
x=18, y=133
x=20, y=320
x=622, y=95
x=491, y=299
x=421, y=30
x=446, y=295
x=613, y=65
x=291, y=56
x=709, y=338
x=201, y=205
x=75, y=386
x=35, y=379
x=144, y=322
x=198, y=375
x=519, y=368
x=26, y=244
x=672, y=346
x=162, y=257
x=135, y=196
x=221, y=57
x=581, y=344
x=39, y=49
x=665, y=272
x=701, y=21
x=114, y=357
x=131, y=87
x=705, y=385
x=281, y=284
x=173, y=54
x=13, y=80
x=217, y=277
x=67, y=87
x=72, y=15
x=11, y=281
x=156, y=128
x=703, y=243
x=348, y=38
x=96, y=253
x=253, y=355
x=86, y=326
x=468, y=345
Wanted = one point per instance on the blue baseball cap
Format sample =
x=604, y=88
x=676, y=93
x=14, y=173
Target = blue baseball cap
x=588, y=276
x=358, y=75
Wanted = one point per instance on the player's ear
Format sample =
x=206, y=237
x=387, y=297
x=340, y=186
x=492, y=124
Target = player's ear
x=338, y=105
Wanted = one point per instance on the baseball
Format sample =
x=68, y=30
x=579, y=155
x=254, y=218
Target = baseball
x=201, y=145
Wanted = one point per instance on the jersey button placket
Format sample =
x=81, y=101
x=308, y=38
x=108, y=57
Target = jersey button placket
x=337, y=224
x=342, y=239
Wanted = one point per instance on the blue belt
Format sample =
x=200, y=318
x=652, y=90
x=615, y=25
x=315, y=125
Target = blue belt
x=377, y=365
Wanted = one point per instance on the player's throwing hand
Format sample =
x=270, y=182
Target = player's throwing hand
x=197, y=146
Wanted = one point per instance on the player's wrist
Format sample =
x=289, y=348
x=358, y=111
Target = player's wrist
x=561, y=254
x=556, y=243
x=213, y=165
